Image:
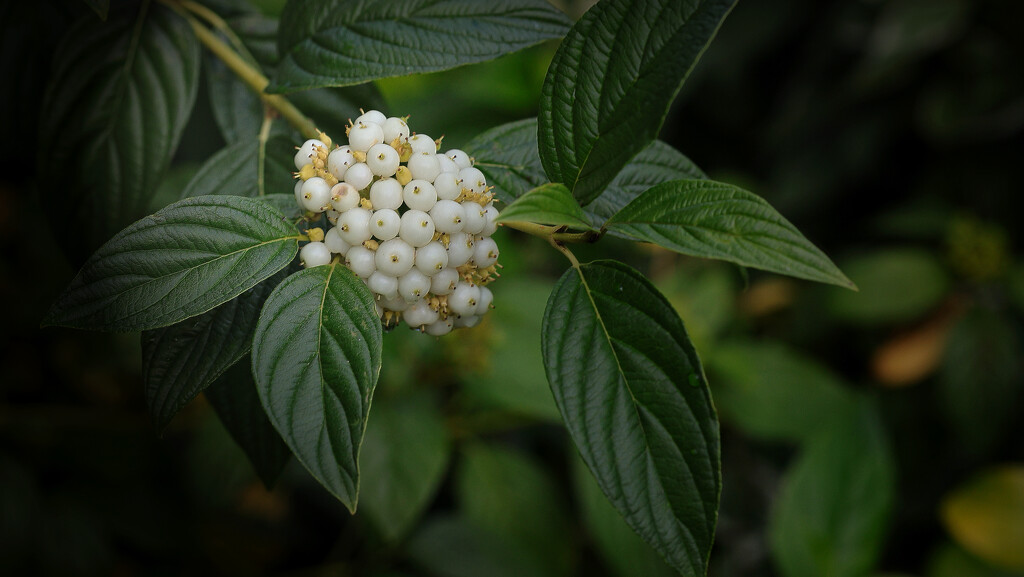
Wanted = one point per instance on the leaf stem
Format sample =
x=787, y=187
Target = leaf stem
x=565, y=250
x=268, y=119
x=556, y=233
x=245, y=71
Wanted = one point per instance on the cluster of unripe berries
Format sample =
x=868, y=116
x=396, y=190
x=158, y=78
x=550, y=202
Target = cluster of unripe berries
x=413, y=223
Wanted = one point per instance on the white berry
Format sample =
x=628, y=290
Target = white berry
x=419, y=314
x=302, y=156
x=363, y=135
x=395, y=257
x=473, y=179
x=485, y=252
x=464, y=298
x=492, y=216
x=422, y=143
x=475, y=218
x=383, y=284
x=314, y=254
x=447, y=165
x=334, y=242
x=374, y=116
x=417, y=228
x=419, y=195
x=484, y=303
x=448, y=186
x=382, y=160
x=460, y=249
x=316, y=195
x=439, y=327
x=431, y=258
x=447, y=215
x=395, y=127
x=386, y=193
x=385, y=223
x=424, y=165
x=444, y=282
x=339, y=160
x=361, y=260
x=344, y=196
x=460, y=158
x=359, y=175
x=413, y=285
x=354, y=226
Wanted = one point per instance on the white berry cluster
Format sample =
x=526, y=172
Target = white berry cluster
x=413, y=223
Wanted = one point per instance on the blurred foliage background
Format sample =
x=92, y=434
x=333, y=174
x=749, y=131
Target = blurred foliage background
x=872, y=433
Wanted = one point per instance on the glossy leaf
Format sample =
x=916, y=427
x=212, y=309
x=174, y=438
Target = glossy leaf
x=610, y=85
x=507, y=155
x=316, y=357
x=772, y=392
x=181, y=360
x=404, y=459
x=547, y=204
x=830, y=517
x=337, y=43
x=119, y=96
x=233, y=396
x=623, y=551
x=633, y=395
x=715, y=220
x=509, y=494
x=180, y=262
x=986, y=516
x=655, y=164
x=234, y=170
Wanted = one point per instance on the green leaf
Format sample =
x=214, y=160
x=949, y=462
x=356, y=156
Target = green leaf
x=831, y=515
x=234, y=170
x=237, y=110
x=406, y=453
x=507, y=155
x=610, y=85
x=894, y=286
x=547, y=204
x=339, y=43
x=509, y=494
x=119, y=96
x=622, y=550
x=234, y=398
x=180, y=262
x=986, y=516
x=951, y=561
x=316, y=357
x=656, y=164
x=633, y=395
x=772, y=392
x=284, y=203
x=715, y=220
x=181, y=360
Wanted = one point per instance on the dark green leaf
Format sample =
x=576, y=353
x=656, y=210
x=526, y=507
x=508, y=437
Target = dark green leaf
x=337, y=43
x=180, y=262
x=507, y=155
x=455, y=547
x=232, y=170
x=622, y=550
x=173, y=185
x=316, y=357
x=716, y=220
x=611, y=82
x=181, y=360
x=100, y=7
x=119, y=97
x=547, y=204
x=284, y=203
x=633, y=395
x=771, y=392
x=654, y=165
x=894, y=286
x=237, y=404
x=237, y=110
x=509, y=494
x=834, y=503
x=404, y=459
